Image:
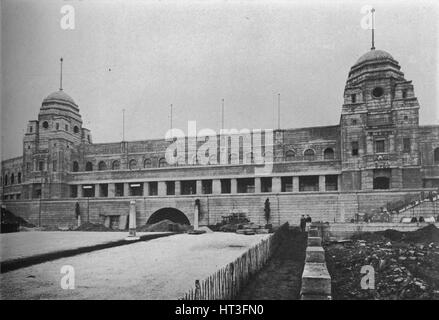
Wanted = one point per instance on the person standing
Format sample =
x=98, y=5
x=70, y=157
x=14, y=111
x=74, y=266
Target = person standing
x=308, y=221
x=302, y=223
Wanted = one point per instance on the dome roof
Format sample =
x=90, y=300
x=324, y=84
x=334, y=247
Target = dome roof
x=59, y=95
x=374, y=55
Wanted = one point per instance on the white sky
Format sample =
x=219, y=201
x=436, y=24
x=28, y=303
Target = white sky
x=193, y=54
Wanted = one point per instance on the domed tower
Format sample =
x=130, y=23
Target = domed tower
x=48, y=145
x=379, y=123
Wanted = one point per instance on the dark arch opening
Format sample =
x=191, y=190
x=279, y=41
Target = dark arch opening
x=171, y=214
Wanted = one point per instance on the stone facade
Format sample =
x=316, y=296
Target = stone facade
x=377, y=149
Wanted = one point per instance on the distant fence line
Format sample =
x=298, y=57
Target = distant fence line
x=227, y=282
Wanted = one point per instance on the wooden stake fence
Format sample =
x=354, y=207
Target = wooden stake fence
x=227, y=282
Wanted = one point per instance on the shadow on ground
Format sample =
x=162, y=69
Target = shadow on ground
x=280, y=279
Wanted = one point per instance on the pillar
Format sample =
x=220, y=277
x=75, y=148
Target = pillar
x=196, y=215
x=177, y=188
x=199, y=187
x=161, y=188
x=97, y=190
x=126, y=190
x=258, y=185
x=295, y=183
x=145, y=189
x=276, y=185
x=233, y=186
x=132, y=222
x=216, y=186
x=322, y=187
x=111, y=190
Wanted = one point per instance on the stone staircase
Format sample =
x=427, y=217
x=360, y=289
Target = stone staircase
x=425, y=205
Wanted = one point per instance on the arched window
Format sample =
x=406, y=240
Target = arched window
x=436, y=155
x=75, y=167
x=147, y=163
x=6, y=180
x=89, y=166
x=115, y=165
x=19, y=177
x=75, y=129
x=309, y=154
x=133, y=164
x=163, y=163
x=12, y=178
x=102, y=166
x=290, y=155
x=328, y=154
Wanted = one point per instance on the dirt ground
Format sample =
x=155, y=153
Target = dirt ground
x=162, y=268
x=280, y=279
x=406, y=265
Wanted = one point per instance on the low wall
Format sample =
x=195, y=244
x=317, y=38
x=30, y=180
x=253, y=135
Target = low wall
x=346, y=230
x=285, y=207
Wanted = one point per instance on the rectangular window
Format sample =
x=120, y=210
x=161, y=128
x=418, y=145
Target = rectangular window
x=404, y=94
x=188, y=187
x=118, y=189
x=67, y=127
x=73, y=191
x=226, y=186
x=331, y=183
x=136, y=189
x=170, y=188
x=309, y=183
x=353, y=98
x=286, y=184
x=266, y=184
x=246, y=185
x=153, y=188
x=380, y=146
x=103, y=190
x=54, y=165
x=354, y=146
x=88, y=191
x=207, y=186
x=41, y=166
x=406, y=144
x=36, y=190
x=57, y=126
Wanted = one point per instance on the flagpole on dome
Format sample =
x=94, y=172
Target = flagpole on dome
x=373, y=29
x=60, y=74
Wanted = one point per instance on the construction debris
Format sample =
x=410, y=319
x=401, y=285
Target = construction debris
x=406, y=265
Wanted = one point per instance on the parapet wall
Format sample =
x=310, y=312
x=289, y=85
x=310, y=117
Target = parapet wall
x=285, y=207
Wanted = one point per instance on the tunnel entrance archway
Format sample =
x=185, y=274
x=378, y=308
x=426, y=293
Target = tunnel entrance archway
x=171, y=214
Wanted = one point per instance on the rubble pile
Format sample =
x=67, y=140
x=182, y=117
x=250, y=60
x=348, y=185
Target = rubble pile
x=164, y=226
x=406, y=265
x=88, y=226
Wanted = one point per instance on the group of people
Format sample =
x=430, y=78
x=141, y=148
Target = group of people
x=305, y=223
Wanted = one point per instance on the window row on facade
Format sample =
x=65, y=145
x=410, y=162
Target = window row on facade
x=290, y=155
x=11, y=179
x=208, y=186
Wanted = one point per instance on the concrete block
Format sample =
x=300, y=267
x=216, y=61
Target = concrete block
x=314, y=241
x=315, y=254
x=316, y=280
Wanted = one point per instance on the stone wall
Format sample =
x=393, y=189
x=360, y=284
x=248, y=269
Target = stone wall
x=285, y=207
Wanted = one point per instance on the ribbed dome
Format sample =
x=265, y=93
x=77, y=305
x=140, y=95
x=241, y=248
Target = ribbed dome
x=373, y=55
x=59, y=95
